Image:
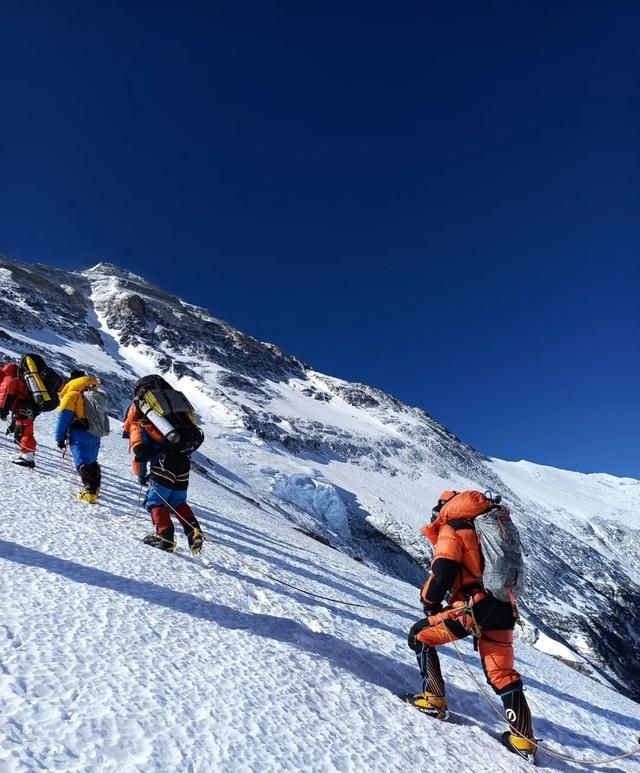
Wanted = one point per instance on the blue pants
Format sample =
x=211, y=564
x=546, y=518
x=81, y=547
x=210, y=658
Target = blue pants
x=84, y=448
x=167, y=496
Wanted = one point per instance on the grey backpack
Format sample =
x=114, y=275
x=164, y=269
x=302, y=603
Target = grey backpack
x=504, y=573
x=95, y=411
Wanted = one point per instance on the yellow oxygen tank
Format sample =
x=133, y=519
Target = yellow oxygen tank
x=35, y=383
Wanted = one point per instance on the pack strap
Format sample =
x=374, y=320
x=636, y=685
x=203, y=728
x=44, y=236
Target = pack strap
x=514, y=603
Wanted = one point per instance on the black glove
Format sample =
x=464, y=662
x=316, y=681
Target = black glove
x=143, y=452
x=3, y=414
x=412, y=642
x=61, y=444
x=143, y=480
x=431, y=609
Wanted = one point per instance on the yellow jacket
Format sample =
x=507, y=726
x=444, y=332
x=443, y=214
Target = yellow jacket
x=71, y=393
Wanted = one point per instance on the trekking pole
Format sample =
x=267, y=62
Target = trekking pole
x=135, y=512
x=134, y=516
x=66, y=458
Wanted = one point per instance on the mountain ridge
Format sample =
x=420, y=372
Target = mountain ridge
x=386, y=459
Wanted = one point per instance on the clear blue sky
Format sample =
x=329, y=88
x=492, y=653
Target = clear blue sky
x=437, y=198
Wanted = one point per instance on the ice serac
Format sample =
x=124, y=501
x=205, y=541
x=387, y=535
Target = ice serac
x=267, y=414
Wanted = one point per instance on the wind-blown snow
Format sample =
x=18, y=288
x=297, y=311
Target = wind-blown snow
x=574, y=494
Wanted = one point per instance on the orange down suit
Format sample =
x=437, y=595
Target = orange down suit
x=456, y=573
x=16, y=398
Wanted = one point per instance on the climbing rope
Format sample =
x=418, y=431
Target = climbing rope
x=65, y=462
x=487, y=697
x=273, y=578
x=545, y=749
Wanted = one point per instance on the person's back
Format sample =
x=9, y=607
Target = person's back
x=15, y=399
x=72, y=429
x=166, y=472
x=8, y=371
x=456, y=575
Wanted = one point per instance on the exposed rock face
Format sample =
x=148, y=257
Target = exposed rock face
x=583, y=581
x=41, y=298
x=145, y=316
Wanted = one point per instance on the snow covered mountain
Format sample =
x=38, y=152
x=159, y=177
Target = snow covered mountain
x=290, y=454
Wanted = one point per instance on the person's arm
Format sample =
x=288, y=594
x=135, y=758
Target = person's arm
x=142, y=449
x=445, y=567
x=7, y=397
x=63, y=422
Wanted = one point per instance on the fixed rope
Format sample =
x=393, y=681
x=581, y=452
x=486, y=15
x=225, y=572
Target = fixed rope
x=268, y=575
x=487, y=697
x=545, y=749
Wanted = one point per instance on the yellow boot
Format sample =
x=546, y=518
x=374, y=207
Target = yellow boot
x=523, y=747
x=428, y=703
x=85, y=496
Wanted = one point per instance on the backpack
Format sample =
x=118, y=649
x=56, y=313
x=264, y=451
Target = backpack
x=95, y=412
x=170, y=413
x=503, y=572
x=42, y=382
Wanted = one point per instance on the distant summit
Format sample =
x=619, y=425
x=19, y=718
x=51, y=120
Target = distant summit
x=314, y=437
x=110, y=269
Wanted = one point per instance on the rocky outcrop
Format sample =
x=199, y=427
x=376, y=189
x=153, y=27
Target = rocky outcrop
x=581, y=587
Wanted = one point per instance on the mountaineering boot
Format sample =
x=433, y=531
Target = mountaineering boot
x=523, y=747
x=162, y=540
x=520, y=738
x=85, y=496
x=433, y=705
x=196, y=539
x=25, y=460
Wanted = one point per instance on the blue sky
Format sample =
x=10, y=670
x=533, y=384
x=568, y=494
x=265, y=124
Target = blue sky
x=440, y=199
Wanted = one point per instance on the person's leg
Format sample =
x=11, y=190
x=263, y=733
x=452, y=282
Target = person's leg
x=84, y=458
x=517, y=711
x=187, y=519
x=183, y=512
x=156, y=504
x=424, y=637
x=429, y=665
x=496, y=652
x=90, y=476
x=94, y=448
x=28, y=443
x=25, y=440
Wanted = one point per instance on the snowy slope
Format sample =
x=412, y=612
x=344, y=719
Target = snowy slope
x=574, y=495
x=116, y=657
x=318, y=449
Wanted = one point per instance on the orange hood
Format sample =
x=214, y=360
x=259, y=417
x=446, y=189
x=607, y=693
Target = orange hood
x=466, y=504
